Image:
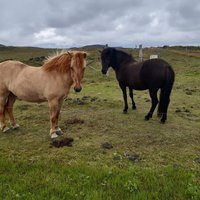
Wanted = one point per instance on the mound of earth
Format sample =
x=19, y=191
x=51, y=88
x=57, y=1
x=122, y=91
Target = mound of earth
x=61, y=142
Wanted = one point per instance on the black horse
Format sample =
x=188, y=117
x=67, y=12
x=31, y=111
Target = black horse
x=151, y=74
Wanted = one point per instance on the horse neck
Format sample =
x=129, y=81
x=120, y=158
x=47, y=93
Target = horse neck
x=65, y=78
x=120, y=59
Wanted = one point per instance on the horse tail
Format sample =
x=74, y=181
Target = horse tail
x=166, y=91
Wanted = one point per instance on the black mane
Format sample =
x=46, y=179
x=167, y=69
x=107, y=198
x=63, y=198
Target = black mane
x=125, y=56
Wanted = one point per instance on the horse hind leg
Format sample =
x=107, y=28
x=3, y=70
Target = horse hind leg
x=131, y=96
x=154, y=99
x=159, y=111
x=163, y=105
x=3, y=101
x=9, y=110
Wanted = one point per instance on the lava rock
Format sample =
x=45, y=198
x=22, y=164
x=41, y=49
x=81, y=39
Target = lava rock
x=197, y=160
x=133, y=157
x=107, y=145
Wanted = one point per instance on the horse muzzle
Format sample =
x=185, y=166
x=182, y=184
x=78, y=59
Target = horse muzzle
x=77, y=89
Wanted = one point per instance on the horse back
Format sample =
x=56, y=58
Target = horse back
x=11, y=67
x=154, y=72
x=144, y=75
x=9, y=70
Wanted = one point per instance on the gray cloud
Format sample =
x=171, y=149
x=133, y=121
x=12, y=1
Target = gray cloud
x=116, y=22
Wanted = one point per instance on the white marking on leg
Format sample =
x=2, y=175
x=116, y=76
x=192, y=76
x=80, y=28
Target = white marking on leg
x=5, y=129
x=16, y=126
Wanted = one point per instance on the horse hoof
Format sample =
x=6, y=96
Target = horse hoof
x=162, y=121
x=125, y=111
x=5, y=129
x=53, y=136
x=16, y=126
x=146, y=118
x=59, y=132
x=134, y=108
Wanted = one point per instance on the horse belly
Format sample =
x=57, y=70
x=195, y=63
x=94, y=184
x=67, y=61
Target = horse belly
x=29, y=96
x=136, y=84
x=27, y=92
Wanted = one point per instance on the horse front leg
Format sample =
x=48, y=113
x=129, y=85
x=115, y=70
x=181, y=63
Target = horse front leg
x=131, y=96
x=154, y=101
x=55, y=106
x=123, y=88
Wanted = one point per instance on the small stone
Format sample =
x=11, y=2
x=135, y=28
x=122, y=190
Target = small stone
x=197, y=160
x=178, y=110
x=188, y=92
x=133, y=157
x=107, y=145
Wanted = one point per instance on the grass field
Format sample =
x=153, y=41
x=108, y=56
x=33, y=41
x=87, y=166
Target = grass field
x=148, y=160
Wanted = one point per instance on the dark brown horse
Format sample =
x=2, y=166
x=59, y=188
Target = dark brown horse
x=151, y=74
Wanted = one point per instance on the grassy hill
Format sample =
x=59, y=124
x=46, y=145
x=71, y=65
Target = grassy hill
x=148, y=160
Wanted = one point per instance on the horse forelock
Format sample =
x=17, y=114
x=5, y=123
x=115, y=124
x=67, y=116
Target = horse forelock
x=60, y=62
x=79, y=59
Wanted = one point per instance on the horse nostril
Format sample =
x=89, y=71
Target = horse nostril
x=77, y=89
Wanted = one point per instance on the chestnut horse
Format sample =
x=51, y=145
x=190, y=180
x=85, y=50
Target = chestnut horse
x=50, y=82
x=151, y=74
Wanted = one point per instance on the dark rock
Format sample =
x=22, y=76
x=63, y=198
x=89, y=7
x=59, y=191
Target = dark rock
x=93, y=99
x=133, y=157
x=188, y=92
x=178, y=110
x=107, y=145
x=197, y=160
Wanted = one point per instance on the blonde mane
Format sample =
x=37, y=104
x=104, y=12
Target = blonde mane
x=59, y=62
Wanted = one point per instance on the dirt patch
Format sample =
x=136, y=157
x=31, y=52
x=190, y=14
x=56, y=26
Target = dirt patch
x=61, y=142
x=82, y=101
x=187, y=114
x=74, y=121
x=183, y=110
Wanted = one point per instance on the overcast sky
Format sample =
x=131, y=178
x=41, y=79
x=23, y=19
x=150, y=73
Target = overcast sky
x=127, y=23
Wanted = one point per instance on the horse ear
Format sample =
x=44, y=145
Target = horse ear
x=70, y=54
x=84, y=55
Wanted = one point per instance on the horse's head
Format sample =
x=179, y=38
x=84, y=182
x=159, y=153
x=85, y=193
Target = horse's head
x=78, y=64
x=106, y=57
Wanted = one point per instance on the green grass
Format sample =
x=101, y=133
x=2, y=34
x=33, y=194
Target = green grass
x=36, y=180
x=32, y=169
